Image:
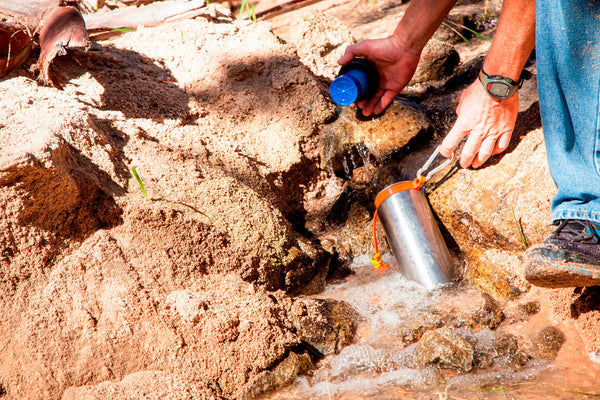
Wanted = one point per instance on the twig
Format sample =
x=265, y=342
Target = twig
x=283, y=8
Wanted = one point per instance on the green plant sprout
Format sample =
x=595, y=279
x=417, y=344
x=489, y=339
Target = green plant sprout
x=249, y=9
x=139, y=181
x=520, y=229
x=453, y=26
x=122, y=29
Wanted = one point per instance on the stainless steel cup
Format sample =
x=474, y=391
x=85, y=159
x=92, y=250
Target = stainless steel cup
x=415, y=238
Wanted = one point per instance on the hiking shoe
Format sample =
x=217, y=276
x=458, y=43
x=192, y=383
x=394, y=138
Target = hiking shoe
x=570, y=257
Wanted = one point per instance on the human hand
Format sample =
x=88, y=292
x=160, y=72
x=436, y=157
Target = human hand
x=395, y=64
x=488, y=122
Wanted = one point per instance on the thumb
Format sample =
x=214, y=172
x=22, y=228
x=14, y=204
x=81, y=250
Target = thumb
x=360, y=49
x=348, y=55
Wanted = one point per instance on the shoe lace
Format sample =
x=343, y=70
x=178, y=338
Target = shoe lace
x=577, y=231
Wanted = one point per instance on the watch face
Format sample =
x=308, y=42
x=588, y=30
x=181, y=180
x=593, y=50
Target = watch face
x=498, y=89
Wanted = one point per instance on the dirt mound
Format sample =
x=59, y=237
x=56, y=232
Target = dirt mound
x=184, y=289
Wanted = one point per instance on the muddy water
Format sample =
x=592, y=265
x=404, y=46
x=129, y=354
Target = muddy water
x=379, y=365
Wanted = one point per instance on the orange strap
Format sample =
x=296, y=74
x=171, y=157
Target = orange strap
x=381, y=197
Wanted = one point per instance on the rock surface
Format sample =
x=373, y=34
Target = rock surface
x=445, y=348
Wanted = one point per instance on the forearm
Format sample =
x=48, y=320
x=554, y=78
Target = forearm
x=420, y=21
x=514, y=39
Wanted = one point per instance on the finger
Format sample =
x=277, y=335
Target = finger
x=502, y=143
x=370, y=104
x=453, y=138
x=485, y=152
x=470, y=150
x=384, y=101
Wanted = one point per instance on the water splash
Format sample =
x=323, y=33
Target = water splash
x=381, y=365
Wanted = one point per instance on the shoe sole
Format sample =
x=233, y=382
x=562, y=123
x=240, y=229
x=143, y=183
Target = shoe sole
x=547, y=265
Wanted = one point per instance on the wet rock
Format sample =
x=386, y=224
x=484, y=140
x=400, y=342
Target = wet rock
x=319, y=201
x=498, y=351
x=477, y=312
x=326, y=325
x=305, y=267
x=355, y=237
x=488, y=316
x=445, y=348
x=351, y=140
x=530, y=307
x=487, y=270
x=438, y=60
x=283, y=374
x=423, y=321
x=549, y=341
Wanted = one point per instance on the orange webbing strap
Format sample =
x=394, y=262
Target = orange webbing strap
x=381, y=197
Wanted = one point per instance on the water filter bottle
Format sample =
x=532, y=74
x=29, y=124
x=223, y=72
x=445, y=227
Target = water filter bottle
x=357, y=80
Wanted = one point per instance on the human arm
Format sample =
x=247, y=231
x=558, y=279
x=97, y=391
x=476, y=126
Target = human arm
x=489, y=122
x=397, y=56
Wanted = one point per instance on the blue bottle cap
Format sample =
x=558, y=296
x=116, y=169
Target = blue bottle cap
x=348, y=88
x=344, y=90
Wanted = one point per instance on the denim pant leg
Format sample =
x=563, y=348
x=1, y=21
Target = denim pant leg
x=568, y=62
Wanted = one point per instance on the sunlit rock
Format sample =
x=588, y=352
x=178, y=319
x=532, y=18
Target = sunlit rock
x=502, y=206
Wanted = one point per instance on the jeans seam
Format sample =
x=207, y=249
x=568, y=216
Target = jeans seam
x=568, y=214
x=597, y=133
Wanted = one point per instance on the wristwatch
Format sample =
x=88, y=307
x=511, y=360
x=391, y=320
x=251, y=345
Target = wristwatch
x=499, y=87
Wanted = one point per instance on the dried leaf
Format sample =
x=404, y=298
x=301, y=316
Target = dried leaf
x=15, y=46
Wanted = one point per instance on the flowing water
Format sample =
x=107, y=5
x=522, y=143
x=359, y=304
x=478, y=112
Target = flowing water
x=381, y=365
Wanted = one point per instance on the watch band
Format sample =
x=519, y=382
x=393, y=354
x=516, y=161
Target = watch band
x=499, y=87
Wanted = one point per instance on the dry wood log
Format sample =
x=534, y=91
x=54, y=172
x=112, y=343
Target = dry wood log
x=15, y=46
x=283, y=8
x=61, y=29
x=148, y=15
x=89, y=6
x=29, y=12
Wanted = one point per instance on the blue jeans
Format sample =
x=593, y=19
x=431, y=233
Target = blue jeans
x=568, y=63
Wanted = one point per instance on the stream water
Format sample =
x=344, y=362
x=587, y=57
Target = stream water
x=380, y=365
